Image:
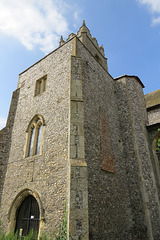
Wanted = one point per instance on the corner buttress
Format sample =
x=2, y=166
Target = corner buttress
x=78, y=194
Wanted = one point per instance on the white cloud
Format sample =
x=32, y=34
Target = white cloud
x=76, y=18
x=155, y=21
x=2, y=122
x=154, y=5
x=34, y=23
x=154, y=8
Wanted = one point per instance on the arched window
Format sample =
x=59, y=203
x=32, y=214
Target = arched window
x=34, y=136
x=27, y=217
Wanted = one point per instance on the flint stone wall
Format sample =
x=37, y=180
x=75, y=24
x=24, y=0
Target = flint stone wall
x=140, y=177
x=154, y=115
x=5, y=140
x=108, y=196
x=46, y=173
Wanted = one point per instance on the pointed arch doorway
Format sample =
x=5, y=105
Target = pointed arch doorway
x=27, y=217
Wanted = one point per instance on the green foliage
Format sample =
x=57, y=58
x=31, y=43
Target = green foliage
x=44, y=237
x=31, y=235
x=13, y=236
x=158, y=143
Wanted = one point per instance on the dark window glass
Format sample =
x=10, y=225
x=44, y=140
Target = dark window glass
x=39, y=139
x=45, y=84
x=31, y=144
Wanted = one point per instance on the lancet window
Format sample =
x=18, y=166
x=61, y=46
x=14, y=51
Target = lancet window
x=34, y=136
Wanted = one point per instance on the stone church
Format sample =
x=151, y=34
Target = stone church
x=77, y=138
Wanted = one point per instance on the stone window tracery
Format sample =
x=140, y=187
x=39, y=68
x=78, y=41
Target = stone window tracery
x=34, y=136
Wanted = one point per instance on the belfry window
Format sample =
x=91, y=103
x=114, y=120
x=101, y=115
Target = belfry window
x=40, y=85
x=34, y=136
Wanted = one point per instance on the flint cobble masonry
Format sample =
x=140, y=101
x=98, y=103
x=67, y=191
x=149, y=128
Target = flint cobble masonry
x=97, y=150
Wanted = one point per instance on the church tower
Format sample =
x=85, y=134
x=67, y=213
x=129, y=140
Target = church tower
x=76, y=143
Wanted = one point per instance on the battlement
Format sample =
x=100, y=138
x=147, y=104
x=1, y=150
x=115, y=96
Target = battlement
x=90, y=43
x=83, y=29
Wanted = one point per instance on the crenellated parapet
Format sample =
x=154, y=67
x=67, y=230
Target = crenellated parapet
x=101, y=48
x=90, y=43
x=84, y=29
x=71, y=36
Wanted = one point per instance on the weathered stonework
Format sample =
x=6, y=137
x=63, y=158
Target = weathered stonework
x=5, y=140
x=48, y=173
x=78, y=198
x=98, y=147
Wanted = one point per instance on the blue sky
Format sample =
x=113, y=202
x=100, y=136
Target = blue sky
x=128, y=29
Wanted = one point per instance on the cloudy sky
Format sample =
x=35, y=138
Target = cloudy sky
x=128, y=29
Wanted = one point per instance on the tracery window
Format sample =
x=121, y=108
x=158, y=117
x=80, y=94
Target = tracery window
x=34, y=136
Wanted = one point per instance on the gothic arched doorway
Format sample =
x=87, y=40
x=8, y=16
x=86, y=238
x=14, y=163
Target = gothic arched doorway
x=27, y=217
